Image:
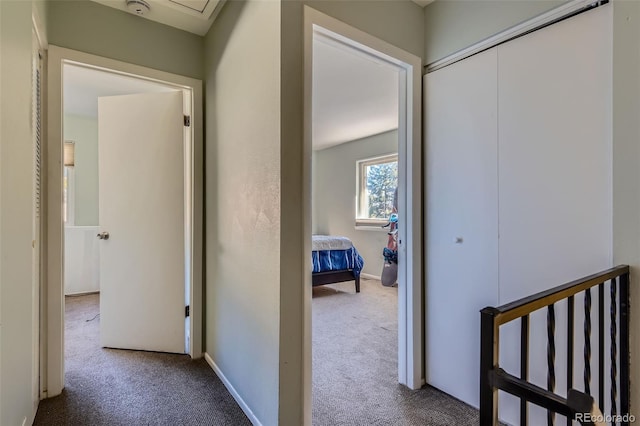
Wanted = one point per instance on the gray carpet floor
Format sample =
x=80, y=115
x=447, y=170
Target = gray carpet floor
x=118, y=387
x=354, y=374
x=355, y=367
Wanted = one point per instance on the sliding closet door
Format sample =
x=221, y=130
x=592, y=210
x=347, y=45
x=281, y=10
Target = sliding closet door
x=461, y=218
x=554, y=133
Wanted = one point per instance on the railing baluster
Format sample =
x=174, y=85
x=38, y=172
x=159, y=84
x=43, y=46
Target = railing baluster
x=524, y=365
x=551, y=357
x=624, y=345
x=587, y=341
x=493, y=378
x=570, y=315
x=614, y=351
x=601, y=333
x=489, y=336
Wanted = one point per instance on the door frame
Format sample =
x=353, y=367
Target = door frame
x=53, y=378
x=410, y=306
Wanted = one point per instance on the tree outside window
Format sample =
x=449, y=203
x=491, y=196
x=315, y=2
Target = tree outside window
x=377, y=182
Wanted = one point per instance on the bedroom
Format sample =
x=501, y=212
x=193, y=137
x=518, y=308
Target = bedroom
x=355, y=181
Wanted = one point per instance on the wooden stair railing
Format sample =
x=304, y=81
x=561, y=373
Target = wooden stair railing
x=579, y=406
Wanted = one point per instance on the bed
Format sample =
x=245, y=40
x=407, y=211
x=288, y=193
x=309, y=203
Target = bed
x=335, y=260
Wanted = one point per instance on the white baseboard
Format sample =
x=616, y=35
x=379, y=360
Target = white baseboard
x=83, y=293
x=252, y=417
x=369, y=276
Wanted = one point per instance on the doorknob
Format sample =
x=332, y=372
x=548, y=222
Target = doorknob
x=103, y=235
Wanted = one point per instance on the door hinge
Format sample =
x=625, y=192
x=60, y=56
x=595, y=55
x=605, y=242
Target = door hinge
x=186, y=311
x=187, y=120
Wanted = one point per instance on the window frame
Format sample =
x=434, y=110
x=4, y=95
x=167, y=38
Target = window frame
x=68, y=197
x=360, y=198
x=69, y=183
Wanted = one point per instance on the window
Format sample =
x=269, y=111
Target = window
x=377, y=183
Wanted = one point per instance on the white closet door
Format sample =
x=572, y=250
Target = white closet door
x=461, y=202
x=554, y=132
x=555, y=154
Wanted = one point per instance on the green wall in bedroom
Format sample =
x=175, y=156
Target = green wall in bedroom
x=334, y=192
x=83, y=131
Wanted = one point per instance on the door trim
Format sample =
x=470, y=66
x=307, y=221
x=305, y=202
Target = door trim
x=410, y=307
x=53, y=382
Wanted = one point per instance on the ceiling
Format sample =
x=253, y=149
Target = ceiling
x=354, y=95
x=83, y=86
x=423, y=3
x=194, y=16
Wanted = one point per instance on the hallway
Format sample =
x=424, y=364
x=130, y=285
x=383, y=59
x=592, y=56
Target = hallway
x=354, y=382
x=118, y=387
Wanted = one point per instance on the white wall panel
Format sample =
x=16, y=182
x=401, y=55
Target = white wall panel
x=81, y=259
x=461, y=202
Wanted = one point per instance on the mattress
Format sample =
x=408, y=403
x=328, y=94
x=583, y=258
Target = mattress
x=330, y=242
x=335, y=254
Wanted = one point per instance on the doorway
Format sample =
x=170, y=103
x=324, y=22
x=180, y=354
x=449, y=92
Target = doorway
x=117, y=79
x=99, y=174
x=410, y=314
x=355, y=157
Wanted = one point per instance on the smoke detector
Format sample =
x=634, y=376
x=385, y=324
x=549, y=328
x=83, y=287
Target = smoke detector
x=139, y=7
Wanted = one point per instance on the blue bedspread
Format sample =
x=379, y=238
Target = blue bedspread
x=337, y=260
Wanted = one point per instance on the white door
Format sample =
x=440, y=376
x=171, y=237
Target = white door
x=142, y=198
x=462, y=218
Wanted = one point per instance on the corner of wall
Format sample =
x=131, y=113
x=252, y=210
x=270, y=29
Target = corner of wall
x=626, y=156
x=294, y=396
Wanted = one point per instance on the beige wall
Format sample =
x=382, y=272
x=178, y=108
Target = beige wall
x=400, y=23
x=104, y=31
x=18, y=298
x=334, y=192
x=626, y=156
x=255, y=193
x=243, y=197
x=84, y=132
x=454, y=25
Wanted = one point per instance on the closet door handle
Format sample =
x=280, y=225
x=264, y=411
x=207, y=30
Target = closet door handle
x=103, y=236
